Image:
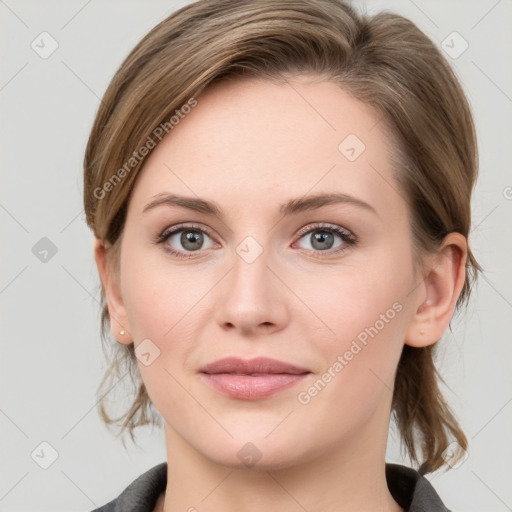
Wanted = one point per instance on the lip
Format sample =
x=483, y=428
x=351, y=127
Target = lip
x=250, y=366
x=252, y=379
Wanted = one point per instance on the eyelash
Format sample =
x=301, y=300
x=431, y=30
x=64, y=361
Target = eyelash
x=347, y=237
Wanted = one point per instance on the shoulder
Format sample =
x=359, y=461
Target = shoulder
x=142, y=494
x=412, y=491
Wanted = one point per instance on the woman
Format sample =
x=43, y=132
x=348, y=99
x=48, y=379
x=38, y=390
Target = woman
x=280, y=195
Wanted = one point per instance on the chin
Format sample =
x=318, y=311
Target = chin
x=258, y=454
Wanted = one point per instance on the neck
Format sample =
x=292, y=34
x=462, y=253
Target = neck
x=348, y=479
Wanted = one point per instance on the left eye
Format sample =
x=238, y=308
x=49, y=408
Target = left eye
x=324, y=238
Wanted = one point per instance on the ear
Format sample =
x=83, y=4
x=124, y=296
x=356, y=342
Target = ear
x=437, y=296
x=117, y=312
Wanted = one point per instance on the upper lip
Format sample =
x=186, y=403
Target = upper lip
x=260, y=365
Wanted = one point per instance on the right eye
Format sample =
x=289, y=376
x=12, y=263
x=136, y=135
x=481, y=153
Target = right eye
x=184, y=240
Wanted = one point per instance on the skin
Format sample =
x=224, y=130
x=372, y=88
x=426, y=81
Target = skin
x=250, y=146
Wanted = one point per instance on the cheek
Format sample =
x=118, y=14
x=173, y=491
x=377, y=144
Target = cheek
x=369, y=319
x=366, y=310
x=159, y=306
x=156, y=295
x=164, y=304
x=355, y=299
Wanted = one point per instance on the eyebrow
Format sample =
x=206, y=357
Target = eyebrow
x=298, y=205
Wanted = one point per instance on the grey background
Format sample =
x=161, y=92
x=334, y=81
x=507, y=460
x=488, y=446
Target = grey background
x=51, y=360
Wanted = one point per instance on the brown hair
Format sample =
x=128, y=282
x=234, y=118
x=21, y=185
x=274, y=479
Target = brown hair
x=384, y=61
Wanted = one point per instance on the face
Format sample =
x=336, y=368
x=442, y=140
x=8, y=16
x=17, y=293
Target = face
x=321, y=285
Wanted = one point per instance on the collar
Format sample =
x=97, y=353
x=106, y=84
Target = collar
x=412, y=491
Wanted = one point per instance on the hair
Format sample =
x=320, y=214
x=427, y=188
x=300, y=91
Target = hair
x=385, y=61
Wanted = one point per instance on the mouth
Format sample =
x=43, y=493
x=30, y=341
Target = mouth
x=252, y=379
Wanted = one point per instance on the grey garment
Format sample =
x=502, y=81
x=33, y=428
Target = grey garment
x=412, y=491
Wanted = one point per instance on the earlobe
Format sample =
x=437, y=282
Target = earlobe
x=119, y=325
x=439, y=292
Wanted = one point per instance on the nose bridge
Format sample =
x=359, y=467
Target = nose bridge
x=250, y=277
x=251, y=296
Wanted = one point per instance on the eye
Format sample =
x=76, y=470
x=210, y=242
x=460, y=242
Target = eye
x=184, y=239
x=322, y=238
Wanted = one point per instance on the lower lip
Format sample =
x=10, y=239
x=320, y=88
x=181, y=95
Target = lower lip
x=247, y=387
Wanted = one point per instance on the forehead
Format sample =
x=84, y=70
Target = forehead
x=254, y=142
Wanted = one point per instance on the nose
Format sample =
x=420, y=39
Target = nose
x=252, y=298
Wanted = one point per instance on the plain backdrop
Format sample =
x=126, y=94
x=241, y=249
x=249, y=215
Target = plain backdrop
x=51, y=357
